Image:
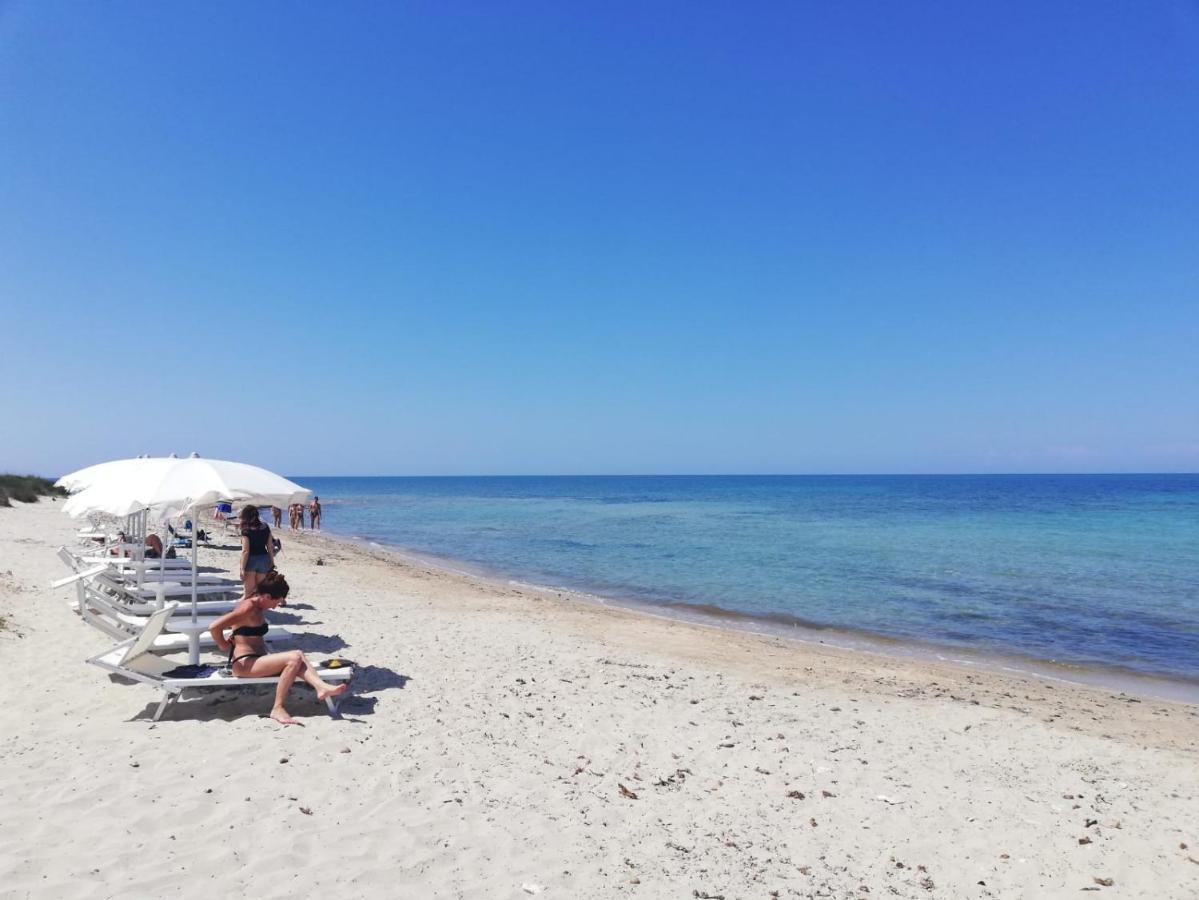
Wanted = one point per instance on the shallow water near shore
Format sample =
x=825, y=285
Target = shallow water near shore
x=1080, y=572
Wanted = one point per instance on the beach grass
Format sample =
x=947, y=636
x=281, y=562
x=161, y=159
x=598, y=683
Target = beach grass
x=26, y=489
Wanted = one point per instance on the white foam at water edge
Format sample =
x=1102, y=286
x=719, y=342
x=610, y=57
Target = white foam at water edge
x=556, y=589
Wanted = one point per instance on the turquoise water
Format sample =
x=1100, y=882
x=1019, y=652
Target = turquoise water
x=1085, y=570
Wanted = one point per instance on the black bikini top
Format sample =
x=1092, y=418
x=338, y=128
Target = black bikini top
x=252, y=630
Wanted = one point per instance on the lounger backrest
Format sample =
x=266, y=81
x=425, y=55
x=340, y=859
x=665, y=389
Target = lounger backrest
x=93, y=598
x=109, y=578
x=96, y=610
x=69, y=558
x=145, y=640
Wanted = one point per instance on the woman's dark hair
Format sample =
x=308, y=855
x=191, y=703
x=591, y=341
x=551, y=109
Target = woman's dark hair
x=274, y=584
x=249, y=517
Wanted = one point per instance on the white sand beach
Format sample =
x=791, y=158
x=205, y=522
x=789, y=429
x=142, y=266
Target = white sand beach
x=503, y=743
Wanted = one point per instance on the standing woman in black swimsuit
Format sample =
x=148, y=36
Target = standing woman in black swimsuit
x=257, y=551
x=247, y=648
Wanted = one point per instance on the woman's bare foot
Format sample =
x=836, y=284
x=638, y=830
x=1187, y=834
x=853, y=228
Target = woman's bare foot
x=332, y=691
x=282, y=716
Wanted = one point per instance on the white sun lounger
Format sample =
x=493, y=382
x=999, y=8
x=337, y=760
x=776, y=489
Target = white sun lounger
x=148, y=572
x=132, y=659
x=128, y=602
x=163, y=590
x=104, y=614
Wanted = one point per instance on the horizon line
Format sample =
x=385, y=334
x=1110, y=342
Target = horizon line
x=759, y=475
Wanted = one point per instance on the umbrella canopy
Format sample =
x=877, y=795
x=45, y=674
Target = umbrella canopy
x=113, y=498
x=171, y=487
x=119, y=471
x=196, y=482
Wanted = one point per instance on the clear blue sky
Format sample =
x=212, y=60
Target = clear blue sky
x=413, y=238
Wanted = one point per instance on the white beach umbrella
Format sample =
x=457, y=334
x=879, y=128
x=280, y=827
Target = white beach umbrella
x=169, y=487
x=118, y=471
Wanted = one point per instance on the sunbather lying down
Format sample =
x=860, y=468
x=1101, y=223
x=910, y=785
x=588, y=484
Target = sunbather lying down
x=247, y=648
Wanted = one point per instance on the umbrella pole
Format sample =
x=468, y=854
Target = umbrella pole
x=140, y=554
x=195, y=561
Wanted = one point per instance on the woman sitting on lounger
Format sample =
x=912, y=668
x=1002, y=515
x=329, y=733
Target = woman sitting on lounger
x=247, y=648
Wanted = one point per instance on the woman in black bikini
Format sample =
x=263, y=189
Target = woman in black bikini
x=247, y=649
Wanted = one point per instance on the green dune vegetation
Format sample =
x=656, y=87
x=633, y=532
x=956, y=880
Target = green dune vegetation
x=26, y=489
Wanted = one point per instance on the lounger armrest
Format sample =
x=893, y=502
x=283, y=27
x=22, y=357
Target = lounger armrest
x=86, y=573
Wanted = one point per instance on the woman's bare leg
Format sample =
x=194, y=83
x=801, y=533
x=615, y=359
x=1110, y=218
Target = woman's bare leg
x=251, y=582
x=291, y=668
x=323, y=688
x=288, y=666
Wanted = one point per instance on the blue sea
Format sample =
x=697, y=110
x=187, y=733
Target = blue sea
x=1081, y=570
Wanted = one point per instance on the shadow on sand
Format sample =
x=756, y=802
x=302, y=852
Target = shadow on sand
x=317, y=643
x=231, y=705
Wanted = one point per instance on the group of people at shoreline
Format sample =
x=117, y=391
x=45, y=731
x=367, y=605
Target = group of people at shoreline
x=295, y=515
x=266, y=588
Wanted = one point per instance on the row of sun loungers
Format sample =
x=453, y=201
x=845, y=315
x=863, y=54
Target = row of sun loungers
x=142, y=604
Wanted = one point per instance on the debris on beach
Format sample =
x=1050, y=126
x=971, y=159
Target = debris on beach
x=530, y=888
x=625, y=792
x=679, y=776
x=795, y=795
x=1103, y=882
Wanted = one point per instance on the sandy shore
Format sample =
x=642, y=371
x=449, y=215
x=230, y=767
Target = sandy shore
x=503, y=743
